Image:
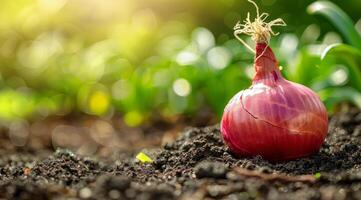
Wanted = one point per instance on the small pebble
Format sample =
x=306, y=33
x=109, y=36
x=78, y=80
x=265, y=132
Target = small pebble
x=209, y=169
x=85, y=193
x=114, y=194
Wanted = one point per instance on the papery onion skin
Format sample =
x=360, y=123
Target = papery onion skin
x=275, y=118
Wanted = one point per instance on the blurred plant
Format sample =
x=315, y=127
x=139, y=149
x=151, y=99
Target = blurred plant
x=339, y=64
x=57, y=58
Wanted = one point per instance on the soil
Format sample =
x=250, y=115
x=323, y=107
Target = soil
x=197, y=165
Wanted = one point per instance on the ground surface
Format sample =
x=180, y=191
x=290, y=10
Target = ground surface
x=195, y=166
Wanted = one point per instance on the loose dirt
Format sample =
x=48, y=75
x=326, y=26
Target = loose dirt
x=195, y=166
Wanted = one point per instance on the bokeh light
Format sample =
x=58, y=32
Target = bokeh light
x=218, y=57
x=182, y=87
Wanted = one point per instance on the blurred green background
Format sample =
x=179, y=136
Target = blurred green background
x=148, y=59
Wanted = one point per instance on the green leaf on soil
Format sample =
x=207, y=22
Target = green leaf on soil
x=144, y=158
x=317, y=175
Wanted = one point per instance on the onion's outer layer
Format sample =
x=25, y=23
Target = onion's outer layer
x=274, y=118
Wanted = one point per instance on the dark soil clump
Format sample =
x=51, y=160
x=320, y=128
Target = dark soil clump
x=195, y=166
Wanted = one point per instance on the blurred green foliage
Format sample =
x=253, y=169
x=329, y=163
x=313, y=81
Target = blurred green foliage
x=155, y=58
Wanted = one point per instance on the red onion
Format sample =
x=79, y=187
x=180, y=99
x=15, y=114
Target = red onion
x=274, y=118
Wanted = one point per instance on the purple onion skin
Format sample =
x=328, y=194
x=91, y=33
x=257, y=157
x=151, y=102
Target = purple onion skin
x=274, y=118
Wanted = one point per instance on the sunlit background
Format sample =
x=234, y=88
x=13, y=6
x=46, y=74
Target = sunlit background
x=109, y=65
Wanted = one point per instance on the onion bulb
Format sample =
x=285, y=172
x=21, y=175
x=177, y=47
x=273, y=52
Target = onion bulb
x=274, y=118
